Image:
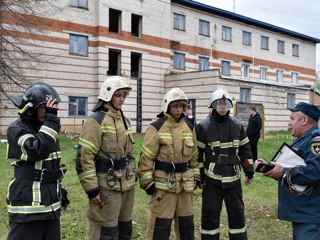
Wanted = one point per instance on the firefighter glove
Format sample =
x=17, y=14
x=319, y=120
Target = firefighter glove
x=151, y=189
x=64, y=199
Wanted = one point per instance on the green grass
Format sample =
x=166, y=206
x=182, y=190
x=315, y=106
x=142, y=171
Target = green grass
x=260, y=199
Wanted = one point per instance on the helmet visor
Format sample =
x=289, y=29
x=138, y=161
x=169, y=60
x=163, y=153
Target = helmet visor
x=222, y=102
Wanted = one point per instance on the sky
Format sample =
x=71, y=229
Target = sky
x=301, y=16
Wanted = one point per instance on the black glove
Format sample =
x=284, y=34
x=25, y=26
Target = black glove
x=64, y=198
x=249, y=173
x=52, y=110
x=151, y=190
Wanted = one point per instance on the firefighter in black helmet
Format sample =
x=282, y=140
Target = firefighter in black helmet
x=35, y=195
x=223, y=149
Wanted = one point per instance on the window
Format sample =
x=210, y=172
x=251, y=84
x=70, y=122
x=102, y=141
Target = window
x=279, y=76
x=204, y=28
x=245, y=70
x=179, y=21
x=295, y=50
x=114, y=20
x=294, y=77
x=226, y=33
x=225, y=68
x=114, y=62
x=291, y=98
x=136, y=25
x=264, y=42
x=179, y=60
x=203, y=63
x=78, y=106
x=135, y=65
x=245, y=95
x=78, y=45
x=280, y=46
x=79, y=3
x=246, y=38
x=263, y=73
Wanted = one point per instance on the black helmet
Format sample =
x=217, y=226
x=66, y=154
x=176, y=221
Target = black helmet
x=38, y=93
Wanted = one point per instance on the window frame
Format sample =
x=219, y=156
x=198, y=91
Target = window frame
x=245, y=95
x=74, y=44
x=263, y=73
x=279, y=75
x=203, y=63
x=294, y=79
x=177, y=18
x=264, y=42
x=226, y=33
x=204, y=25
x=179, y=63
x=295, y=50
x=280, y=46
x=225, y=68
x=77, y=4
x=245, y=70
x=291, y=99
x=246, y=38
x=71, y=104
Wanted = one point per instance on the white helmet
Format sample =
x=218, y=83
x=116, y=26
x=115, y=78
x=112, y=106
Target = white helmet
x=174, y=94
x=220, y=94
x=112, y=84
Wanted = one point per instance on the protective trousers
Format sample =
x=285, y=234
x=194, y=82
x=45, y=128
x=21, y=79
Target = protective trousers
x=212, y=199
x=112, y=219
x=36, y=230
x=166, y=206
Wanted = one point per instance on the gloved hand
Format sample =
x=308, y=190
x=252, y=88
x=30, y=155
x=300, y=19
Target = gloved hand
x=197, y=182
x=249, y=173
x=64, y=198
x=151, y=189
x=202, y=175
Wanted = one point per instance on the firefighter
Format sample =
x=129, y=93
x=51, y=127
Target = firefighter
x=35, y=194
x=168, y=170
x=106, y=165
x=223, y=148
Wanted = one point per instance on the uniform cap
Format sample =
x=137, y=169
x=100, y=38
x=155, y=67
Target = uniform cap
x=308, y=109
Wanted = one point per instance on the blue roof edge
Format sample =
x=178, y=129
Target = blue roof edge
x=244, y=19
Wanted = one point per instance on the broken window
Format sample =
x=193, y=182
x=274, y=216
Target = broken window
x=114, y=20
x=136, y=25
x=114, y=62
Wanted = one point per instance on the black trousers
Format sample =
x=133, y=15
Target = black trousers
x=35, y=230
x=212, y=198
x=254, y=146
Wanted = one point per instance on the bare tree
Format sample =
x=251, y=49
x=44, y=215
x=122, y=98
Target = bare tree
x=19, y=19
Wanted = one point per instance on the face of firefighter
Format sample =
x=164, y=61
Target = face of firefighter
x=118, y=98
x=41, y=112
x=222, y=106
x=296, y=123
x=176, y=109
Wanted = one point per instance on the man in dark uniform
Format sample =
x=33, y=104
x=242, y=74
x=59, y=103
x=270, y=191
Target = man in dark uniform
x=296, y=206
x=35, y=195
x=253, y=130
x=223, y=148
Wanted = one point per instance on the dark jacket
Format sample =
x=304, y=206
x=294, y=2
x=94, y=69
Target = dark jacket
x=254, y=126
x=304, y=208
x=223, y=136
x=33, y=151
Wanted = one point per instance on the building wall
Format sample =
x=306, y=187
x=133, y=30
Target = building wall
x=74, y=75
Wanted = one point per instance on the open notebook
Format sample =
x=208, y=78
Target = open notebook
x=288, y=157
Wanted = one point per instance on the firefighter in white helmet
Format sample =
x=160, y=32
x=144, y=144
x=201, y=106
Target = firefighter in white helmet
x=223, y=149
x=106, y=165
x=168, y=170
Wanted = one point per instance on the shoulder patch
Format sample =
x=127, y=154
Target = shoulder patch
x=315, y=147
x=316, y=139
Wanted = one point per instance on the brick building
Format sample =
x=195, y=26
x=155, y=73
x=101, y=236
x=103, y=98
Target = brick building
x=161, y=44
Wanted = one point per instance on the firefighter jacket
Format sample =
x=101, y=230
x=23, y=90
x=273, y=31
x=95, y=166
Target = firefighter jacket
x=223, y=147
x=33, y=150
x=105, y=159
x=171, y=143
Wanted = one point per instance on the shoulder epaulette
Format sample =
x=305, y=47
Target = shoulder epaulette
x=98, y=116
x=315, y=132
x=158, y=124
